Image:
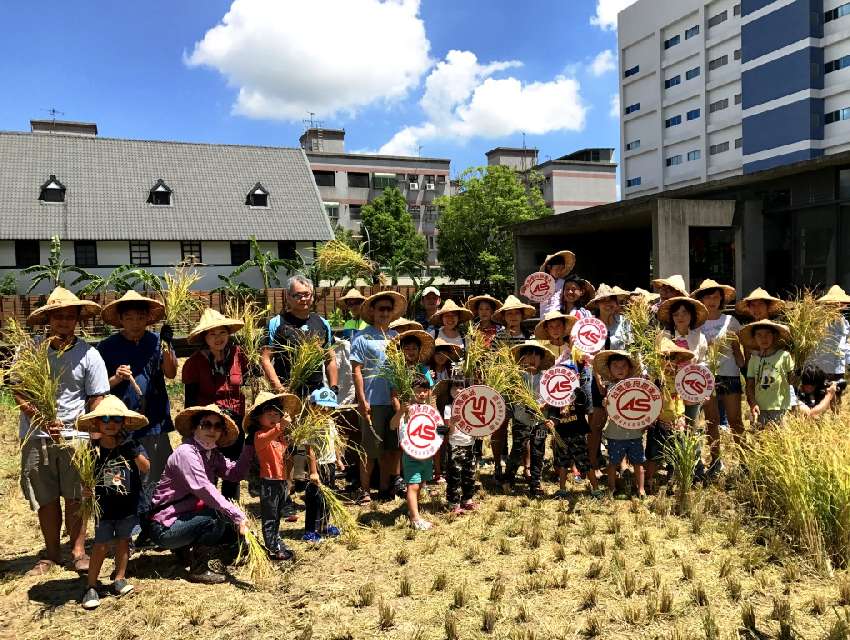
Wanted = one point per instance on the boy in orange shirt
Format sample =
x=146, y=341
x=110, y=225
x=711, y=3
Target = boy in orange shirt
x=265, y=422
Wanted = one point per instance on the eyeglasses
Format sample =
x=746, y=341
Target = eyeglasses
x=301, y=296
x=208, y=424
x=108, y=419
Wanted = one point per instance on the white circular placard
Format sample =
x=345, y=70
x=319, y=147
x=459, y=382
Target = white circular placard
x=694, y=383
x=633, y=403
x=538, y=287
x=479, y=410
x=558, y=385
x=419, y=438
x=589, y=335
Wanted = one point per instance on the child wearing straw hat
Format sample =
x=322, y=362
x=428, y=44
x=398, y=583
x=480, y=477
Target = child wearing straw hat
x=759, y=305
x=510, y=315
x=483, y=309
x=446, y=323
x=121, y=462
x=769, y=370
x=576, y=293
x=351, y=303
x=557, y=265
x=833, y=351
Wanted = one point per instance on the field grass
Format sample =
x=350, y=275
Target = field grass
x=516, y=569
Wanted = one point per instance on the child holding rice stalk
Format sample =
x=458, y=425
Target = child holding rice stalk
x=769, y=372
x=116, y=486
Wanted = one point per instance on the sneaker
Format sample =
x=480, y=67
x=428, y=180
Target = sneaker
x=363, y=497
x=311, y=536
x=90, y=599
x=562, y=494
x=331, y=531
x=578, y=479
x=421, y=525
x=121, y=588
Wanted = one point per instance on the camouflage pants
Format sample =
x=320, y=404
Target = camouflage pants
x=536, y=437
x=460, y=476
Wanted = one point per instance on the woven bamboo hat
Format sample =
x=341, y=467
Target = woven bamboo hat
x=511, y=303
x=835, y=295
x=647, y=295
x=454, y=351
x=110, y=315
x=212, y=319
x=747, y=335
x=367, y=311
x=540, y=329
x=676, y=282
x=587, y=289
x=286, y=401
x=403, y=324
x=568, y=256
x=665, y=316
x=450, y=306
x=774, y=305
x=426, y=342
x=183, y=423
x=709, y=284
x=351, y=294
x=601, y=360
x=61, y=298
x=605, y=291
x=111, y=406
x=472, y=303
x=548, y=357
x=670, y=350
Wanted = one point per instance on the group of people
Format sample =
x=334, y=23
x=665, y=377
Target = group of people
x=114, y=398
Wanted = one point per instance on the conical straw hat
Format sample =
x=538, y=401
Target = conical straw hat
x=707, y=285
x=511, y=303
x=286, y=401
x=774, y=304
x=183, y=423
x=156, y=310
x=61, y=298
x=426, y=342
x=676, y=282
x=835, y=295
x=212, y=319
x=540, y=328
x=666, y=318
x=108, y=407
x=450, y=306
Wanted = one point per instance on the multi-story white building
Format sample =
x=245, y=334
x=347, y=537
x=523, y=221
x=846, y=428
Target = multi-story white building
x=712, y=89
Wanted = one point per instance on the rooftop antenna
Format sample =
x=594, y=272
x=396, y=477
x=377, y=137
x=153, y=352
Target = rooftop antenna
x=523, y=150
x=419, y=151
x=52, y=112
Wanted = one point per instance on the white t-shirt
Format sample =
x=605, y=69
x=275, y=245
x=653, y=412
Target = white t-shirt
x=457, y=438
x=714, y=329
x=438, y=334
x=554, y=301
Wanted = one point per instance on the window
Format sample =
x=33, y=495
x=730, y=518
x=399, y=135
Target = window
x=431, y=212
x=190, y=251
x=739, y=142
x=834, y=65
x=693, y=114
x=694, y=155
x=359, y=180
x=27, y=253
x=634, y=144
x=721, y=17
x=333, y=211
x=429, y=180
x=432, y=243
x=838, y=12
x=354, y=211
x=632, y=108
x=324, y=178
x=160, y=194
x=384, y=180
x=631, y=71
x=140, y=253
x=633, y=182
x=736, y=10
x=672, y=122
x=672, y=161
x=690, y=74
x=413, y=210
x=718, y=148
x=693, y=31
x=672, y=82
x=286, y=250
x=835, y=116
x=736, y=54
x=52, y=190
x=441, y=179
x=718, y=62
x=720, y=105
x=85, y=253
x=672, y=42
x=258, y=196
x=240, y=251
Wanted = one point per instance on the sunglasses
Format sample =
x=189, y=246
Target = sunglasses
x=108, y=419
x=208, y=424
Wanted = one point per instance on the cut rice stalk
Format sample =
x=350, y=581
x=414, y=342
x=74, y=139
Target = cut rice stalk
x=84, y=459
x=307, y=358
x=177, y=296
x=397, y=373
x=810, y=325
x=338, y=513
x=250, y=338
x=503, y=373
x=253, y=553
x=336, y=260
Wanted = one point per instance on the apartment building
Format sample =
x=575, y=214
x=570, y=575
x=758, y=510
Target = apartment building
x=347, y=181
x=713, y=89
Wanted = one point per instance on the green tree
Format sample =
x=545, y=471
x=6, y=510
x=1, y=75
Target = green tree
x=392, y=238
x=475, y=242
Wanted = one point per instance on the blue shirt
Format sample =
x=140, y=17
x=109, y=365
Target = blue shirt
x=369, y=350
x=145, y=360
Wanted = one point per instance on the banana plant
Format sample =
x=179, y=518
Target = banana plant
x=121, y=280
x=53, y=272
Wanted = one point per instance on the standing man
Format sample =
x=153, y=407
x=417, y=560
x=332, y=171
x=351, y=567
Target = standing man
x=47, y=473
x=138, y=361
x=430, y=302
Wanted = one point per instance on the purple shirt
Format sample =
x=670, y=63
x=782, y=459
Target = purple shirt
x=190, y=475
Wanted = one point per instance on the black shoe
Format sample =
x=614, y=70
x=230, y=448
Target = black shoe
x=183, y=556
x=399, y=488
x=201, y=572
x=536, y=492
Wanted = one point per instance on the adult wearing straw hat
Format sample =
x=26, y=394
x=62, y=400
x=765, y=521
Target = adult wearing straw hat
x=189, y=515
x=483, y=309
x=669, y=287
x=138, y=361
x=215, y=374
x=759, y=305
x=510, y=315
x=446, y=323
x=833, y=352
x=351, y=303
x=47, y=473
x=557, y=265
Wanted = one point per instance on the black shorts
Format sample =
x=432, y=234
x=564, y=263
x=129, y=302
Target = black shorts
x=571, y=449
x=656, y=439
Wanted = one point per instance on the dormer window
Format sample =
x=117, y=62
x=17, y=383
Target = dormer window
x=258, y=196
x=160, y=194
x=52, y=190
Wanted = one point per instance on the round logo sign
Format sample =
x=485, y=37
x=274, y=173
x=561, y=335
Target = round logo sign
x=589, y=335
x=479, y=410
x=694, y=383
x=538, y=287
x=419, y=438
x=558, y=385
x=634, y=403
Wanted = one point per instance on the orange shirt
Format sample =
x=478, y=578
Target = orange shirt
x=270, y=446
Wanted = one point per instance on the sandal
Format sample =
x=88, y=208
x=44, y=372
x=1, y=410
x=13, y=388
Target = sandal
x=41, y=567
x=80, y=563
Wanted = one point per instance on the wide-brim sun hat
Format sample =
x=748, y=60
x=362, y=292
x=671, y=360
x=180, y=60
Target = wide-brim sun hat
x=774, y=304
x=665, y=316
x=605, y=291
x=676, y=282
x=212, y=319
x=513, y=303
x=601, y=359
x=671, y=351
x=748, y=333
x=540, y=330
x=473, y=302
x=111, y=406
x=455, y=350
x=548, y=358
x=587, y=288
x=351, y=294
x=288, y=402
x=450, y=306
x=426, y=342
x=835, y=295
x=403, y=324
x=649, y=296
x=367, y=310
x=709, y=284
x=568, y=256
x=110, y=315
x=183, y=424
x=61, y=298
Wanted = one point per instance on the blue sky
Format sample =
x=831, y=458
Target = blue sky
x=383, y=71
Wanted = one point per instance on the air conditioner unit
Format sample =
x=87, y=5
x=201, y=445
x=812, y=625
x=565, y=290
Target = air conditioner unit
x=413, y=186
x=430, y=186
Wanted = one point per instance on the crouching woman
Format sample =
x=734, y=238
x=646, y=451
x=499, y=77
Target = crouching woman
x=189, y=514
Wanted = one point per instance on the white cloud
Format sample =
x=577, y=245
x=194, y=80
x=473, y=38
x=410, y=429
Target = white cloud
x=614, y=112
x=325, y=56
x=604, y=62
x=606, y=13
x=463, y=101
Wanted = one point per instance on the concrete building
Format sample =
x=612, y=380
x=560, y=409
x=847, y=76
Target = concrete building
x=149, y=203
x=585, y=178
x=716, y=88
x=347, y=181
